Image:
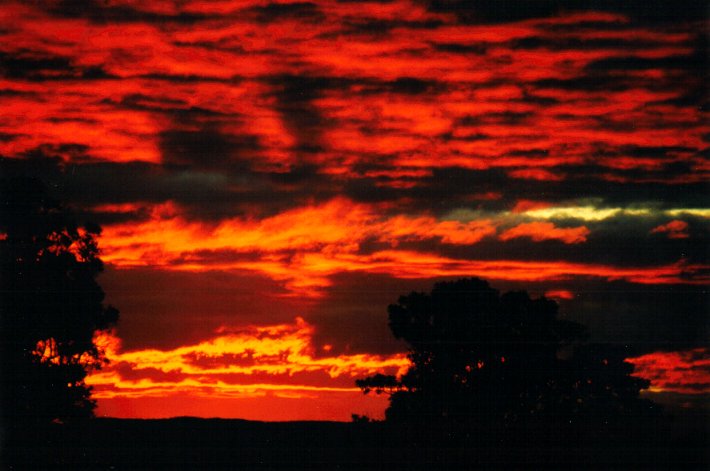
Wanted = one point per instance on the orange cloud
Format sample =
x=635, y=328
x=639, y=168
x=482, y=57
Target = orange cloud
x=338, y=226
x=539, y=231
x=686, y=372
x=277, y=361
x=304, y=247
x=675, y=229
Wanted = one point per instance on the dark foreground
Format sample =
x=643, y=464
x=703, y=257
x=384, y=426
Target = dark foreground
x=187, y=443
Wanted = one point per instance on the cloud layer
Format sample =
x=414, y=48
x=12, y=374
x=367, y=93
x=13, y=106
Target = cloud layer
x=252, y=162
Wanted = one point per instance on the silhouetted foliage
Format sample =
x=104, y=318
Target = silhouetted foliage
x=501, y=362
x=50, y=306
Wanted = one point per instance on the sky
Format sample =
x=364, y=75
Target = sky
x=271, y=175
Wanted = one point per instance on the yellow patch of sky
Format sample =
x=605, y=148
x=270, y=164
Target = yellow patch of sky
x=582, y=212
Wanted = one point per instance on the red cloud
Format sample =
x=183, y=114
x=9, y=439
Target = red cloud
x=675, y=229
x=686, y=372
x=559, y=294
x=539, y=231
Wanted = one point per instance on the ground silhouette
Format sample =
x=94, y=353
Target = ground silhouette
x=50, y=307
x=204, y=444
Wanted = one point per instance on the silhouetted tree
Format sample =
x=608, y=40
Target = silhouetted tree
x=500, y=361
x=50, y=306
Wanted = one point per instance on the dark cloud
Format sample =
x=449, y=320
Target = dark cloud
x=565, y=43
x=272, y=12
x=207, y=148
x=456, y=48
x=496, y=11
x=103, y=13
x=588, y=83
x=190, y=78
x=178, y=109
x=378, y=27
x=677, y=62
x=40, y=66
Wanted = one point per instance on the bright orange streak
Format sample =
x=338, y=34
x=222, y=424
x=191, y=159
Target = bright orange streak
x=686, y=372
x=304, y=247
x=252, y=362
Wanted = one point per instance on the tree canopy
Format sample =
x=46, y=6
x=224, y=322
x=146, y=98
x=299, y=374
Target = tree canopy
x=50, y=307
x=479, y=357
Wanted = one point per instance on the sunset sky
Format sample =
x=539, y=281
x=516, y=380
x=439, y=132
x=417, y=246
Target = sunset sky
x=269, y=176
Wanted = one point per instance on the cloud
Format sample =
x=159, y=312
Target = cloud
x=238, y=363
x=305, y=149
x=685, y=372
x=539, y=231
x=675, y=229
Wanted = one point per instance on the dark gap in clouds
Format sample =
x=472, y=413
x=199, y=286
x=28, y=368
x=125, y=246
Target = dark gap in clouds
x=214, y=187
x=273, y=12
x=17, y=93
x=511, y=118
x=73, y=119
x=656, y=152
x=102, y=12
x=498, y=11
x=300, y=174
x=692, y=96
x=378, y=27
x=475, y=11
x=190, y=78
x=223, y=44
x=695, y=62
x=179, y=109
x=561, y=43
x=216, y=257
x=39, y=67
x=207, y=147
x=294, y=95
x=167, y=309
x=530, y=97
x=230, y=189
x=451, y=187
x=128, y=372
x=64, y=152
x=590, y=181
x=529, y=153
x=478, y=49
x=476, y=136
x=413, y=86
x=7, y=137
x=589, y=83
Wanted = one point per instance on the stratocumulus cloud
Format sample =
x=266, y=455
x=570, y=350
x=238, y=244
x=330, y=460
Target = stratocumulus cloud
x=319, y=159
